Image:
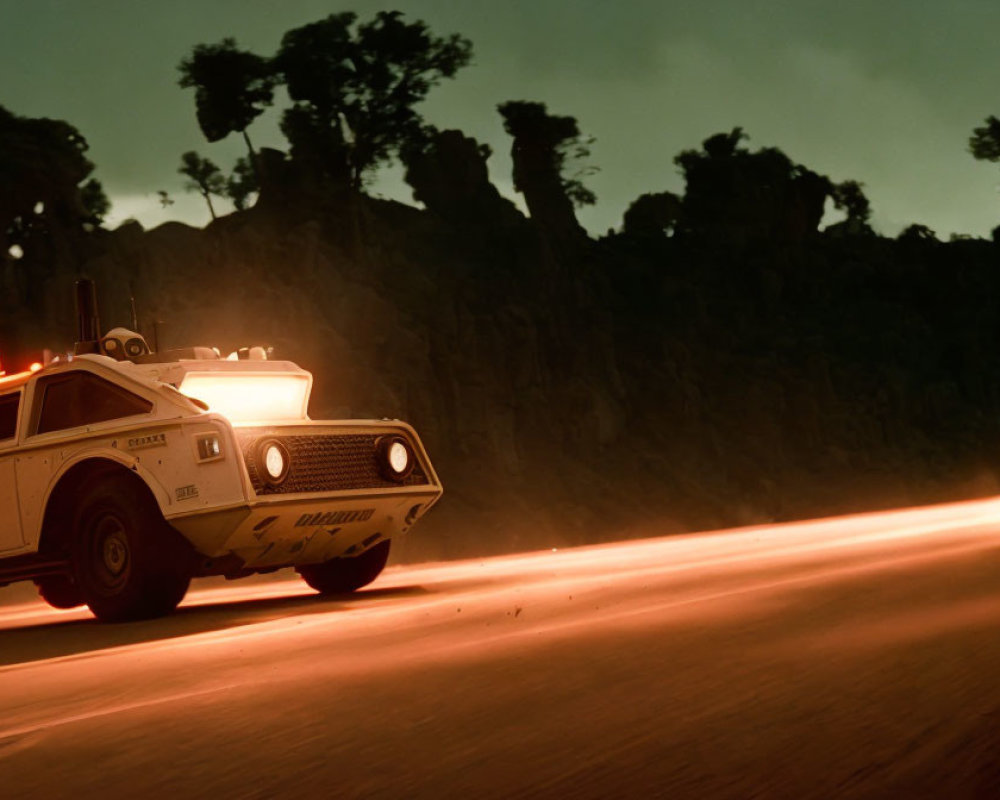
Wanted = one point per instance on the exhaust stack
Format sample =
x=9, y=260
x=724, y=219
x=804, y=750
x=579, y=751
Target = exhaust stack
x=88, y=321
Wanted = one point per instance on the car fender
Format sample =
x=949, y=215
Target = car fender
x=111, y=454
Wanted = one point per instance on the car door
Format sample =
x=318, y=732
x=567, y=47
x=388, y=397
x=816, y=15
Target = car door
x=10, y=516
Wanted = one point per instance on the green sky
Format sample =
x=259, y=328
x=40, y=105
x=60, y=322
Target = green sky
x=884, y=91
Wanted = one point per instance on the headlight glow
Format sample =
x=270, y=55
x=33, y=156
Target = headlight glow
x=274, y=457
x=274, y=462
x=399, y=458
x=395, y=458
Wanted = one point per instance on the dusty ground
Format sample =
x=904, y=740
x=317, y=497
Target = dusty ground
x=856, y=657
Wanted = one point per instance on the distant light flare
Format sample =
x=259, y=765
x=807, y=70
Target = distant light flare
x=245, y=398
x=16, y=376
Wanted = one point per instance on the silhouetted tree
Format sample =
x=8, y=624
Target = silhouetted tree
x=984, y=144
x=242, y=183
x=849, y=197
x=165, y=199
x=916, y=233
x=448, y=173
x=42, y=208
x=724, y=145
x=734, y=195
x=232, y=88
x=652, y=214
x=544, y=145
x=204, y=178
x=354, y=88
x=317, y=146
x=95, y=201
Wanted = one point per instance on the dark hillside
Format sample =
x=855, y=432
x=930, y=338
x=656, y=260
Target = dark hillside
x=695, y=383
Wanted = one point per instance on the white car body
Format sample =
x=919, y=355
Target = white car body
x=333, y=502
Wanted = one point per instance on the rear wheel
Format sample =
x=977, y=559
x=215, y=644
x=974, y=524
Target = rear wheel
x=341, y=575
x=127, y=561
x=59, y=591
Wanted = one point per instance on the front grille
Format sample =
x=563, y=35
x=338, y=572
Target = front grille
x=326, y=462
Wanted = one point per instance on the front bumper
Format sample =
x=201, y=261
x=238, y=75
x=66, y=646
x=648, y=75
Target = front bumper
x=335, y=500
x=296, y=529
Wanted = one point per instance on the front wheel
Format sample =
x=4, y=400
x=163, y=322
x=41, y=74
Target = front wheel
x=59, y=591
x=340, y=575
x=127, y=561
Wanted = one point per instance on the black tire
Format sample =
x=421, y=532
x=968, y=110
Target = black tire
x=59, y=591
x=127, y=561
x=341, y=575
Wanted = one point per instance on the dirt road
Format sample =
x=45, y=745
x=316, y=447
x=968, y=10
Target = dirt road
x=854, y=657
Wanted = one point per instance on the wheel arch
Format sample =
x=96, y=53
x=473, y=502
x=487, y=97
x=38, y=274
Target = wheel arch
x=60, y=505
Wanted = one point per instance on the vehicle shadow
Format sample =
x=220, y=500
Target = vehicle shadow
x=62, y=637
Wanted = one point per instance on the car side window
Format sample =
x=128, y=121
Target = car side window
x=82, y=398
x=9, y=404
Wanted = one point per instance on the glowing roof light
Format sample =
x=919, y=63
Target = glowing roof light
x=253, y=397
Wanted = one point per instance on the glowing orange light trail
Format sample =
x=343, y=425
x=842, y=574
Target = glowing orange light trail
x=768, y=627
x=976, y=518
x=15, y=378
x=843, y=544
x=18, y=377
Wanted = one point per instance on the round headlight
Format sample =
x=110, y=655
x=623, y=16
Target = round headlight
x=274, y=457
x=274, y=462
x=399, y=458
x=395, y=458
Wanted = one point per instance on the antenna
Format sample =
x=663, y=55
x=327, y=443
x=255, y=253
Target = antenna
x=131, y=300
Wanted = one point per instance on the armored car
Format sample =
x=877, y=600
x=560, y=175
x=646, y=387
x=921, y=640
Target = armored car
x=124, y=473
